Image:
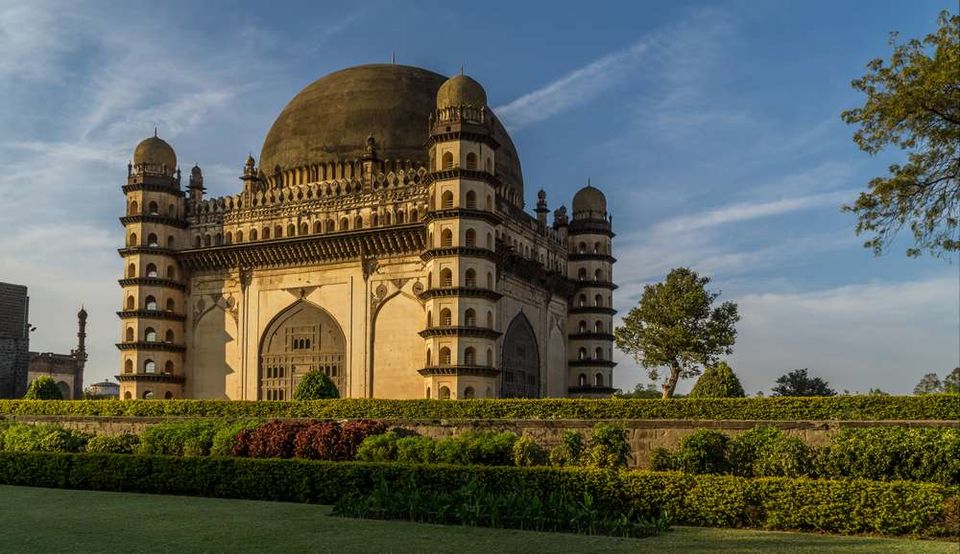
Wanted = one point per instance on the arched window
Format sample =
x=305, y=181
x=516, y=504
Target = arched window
x=429, y=318
x=172, y=210
x=471, y=161
x=127, y=395
x=444, y=393
x=428, y=392
x=468, y=393
x=582, y=354
x=151, y=270
x=598, y=275
x=598, y=380
x=582, y=327
x=239, y=236
x=582, y=274
x=488, y=166
x=277, y=231
x=132, y=241
x=197, y=241
x=490, y=280
x=150, y=335
x=446, y=200
x=598, y=353
x=489, y=319
x=150, y=366
x=598, y=327
x=131, y=271
x=447, y=161
x=150, y=303
x=228, y=238
x=358, y=222
x=253, y=234
x=401, y=217
x=598, y=300
x=470, y=278
x=489, y=200
x=446, y=318
x=470, y=238
x=429, y=358
x=148, y=395
x=582, y=380
x=489, y=357
x=430, y=280
x=207, y=240
x=469, y=356
x=152, y=209
x=596, y=248
x=171, y=242
x=582, y=301
x=291, y=230
x=374, y=219
x=330, y=226
x=168, y=367
x=304, y=229
x=266, y=233
x=171, y=272
x=444, y=356
x=168, y=337
x=128, y=366
x=132, y=209
x=170, y=304
x=446, y=278
x=489, y=241
x=317, y=227
x=218, y=239
x=131, y=303
x=129, y=337
x=344, y=224
x=446, y=238
x=168, y=395
x=470, y=318
x=471, y=200
x=582, y=247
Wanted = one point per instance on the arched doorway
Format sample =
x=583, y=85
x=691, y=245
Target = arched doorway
x=65, y=392
x=520, y=361
x=300, y=339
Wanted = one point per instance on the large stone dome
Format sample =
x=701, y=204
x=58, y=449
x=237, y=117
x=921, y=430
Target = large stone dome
x=155, y=151
x=331, y=118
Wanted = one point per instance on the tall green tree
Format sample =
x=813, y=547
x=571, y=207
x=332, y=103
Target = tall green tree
x=799, y=383
x=951, y=381
x=929, y=384
x=675, y=325
x=913, y=103
x=43, y=388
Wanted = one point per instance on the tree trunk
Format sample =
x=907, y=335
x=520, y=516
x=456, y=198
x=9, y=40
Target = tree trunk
x=671, y=383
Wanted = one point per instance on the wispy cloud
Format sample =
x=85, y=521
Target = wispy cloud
x=33, y=38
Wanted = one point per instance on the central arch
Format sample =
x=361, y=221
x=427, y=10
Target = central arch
x=520, y=359
x=300, y=339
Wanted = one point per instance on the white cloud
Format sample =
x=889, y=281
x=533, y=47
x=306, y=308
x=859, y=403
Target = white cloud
x=34, y=36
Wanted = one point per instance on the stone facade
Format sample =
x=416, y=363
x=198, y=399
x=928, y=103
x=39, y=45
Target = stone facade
x=65, y=369
x=14, y=340
x=383, y=241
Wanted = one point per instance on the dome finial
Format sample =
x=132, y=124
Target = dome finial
x=393, y=58
x=461, y=69
x=156, y=131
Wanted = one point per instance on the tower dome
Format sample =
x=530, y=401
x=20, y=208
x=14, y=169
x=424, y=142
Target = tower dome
x=461, y=90
x=590, y=199
x=155, y=151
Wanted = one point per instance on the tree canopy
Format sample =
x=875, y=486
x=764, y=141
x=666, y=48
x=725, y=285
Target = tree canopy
x=798, y=383
x=718, y=381
x=928, y=384
x=675, y=325
x=913, y=103
x=951, y=381
x=43, y=388
x=315, y=385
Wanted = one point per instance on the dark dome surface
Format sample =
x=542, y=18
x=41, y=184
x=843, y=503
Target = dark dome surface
x=590, y=199
x=331, y=118
x=155, y=151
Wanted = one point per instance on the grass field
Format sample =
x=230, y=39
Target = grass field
x=53, y=520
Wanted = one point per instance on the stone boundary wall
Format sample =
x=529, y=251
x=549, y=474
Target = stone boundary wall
x=643, y=435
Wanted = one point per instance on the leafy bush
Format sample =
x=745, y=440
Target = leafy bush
x=662, y=459
x=226, y=438
x=718, y=381
x=353, y=433
x=379, y=448
x=916, y=454
x=317, y=441
x=526, y=452
x=273, y=439
x=477, y=447
x=416, y=450
x=703, y=451
x=744, y=449
x=42, y=438
x=43, y=388
x=608, y=446
x=570, y=450
x=846, y=506
x=315, y=385
x=181, y=438
x=865, y=407
x=124, y=443
x=785, y=456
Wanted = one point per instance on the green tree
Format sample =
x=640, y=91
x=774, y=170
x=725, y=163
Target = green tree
x=315, y=385
x=718, y=381
x=642, y=391
x=43, y=388
x=913, y=103
x=798, y=383
x=929, y=384
x=675, y=325
x=951, y=381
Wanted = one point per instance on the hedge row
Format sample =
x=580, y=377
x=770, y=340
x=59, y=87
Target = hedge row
x=926, y=407
x=849, y=507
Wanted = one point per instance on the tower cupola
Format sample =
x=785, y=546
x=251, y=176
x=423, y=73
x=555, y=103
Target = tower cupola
x=155, y=155
x=461, y=90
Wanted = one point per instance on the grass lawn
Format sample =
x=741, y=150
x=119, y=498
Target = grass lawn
x=50, y=520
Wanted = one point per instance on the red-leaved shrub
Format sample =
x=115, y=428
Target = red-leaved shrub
x=314, y=440
x=352, y=434
x=273, y=439
x=318, y=441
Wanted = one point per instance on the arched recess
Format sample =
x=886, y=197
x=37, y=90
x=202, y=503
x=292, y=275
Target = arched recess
x=397, y=348
x=215, y=357
x=556, y=363
x=65, y=392
x=520, y=361
x=302, y=338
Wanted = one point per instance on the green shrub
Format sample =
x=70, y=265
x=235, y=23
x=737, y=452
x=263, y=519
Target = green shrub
x=379, y=448
x=608, y=446
x=43, y=388
x=42, y=438
x=717, y=381
x=570, y=450
x=181, y=438
x=847, y=506
x=225, y=438
x=863, y=407
x=416, y=450
x=786, y=456
x=744, y=449
x=315, y=385
x=662, y=459
x=124, y=443
x=888, y=453
x=527, y=452
x=703, y=451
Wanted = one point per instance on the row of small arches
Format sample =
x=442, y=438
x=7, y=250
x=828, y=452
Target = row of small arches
x=597, y=327
x=582, y=354
x=598, y=274
x=469, y=201
x=149, y=303
x=598, y=248
x=469, y=318
x=584, y=382
x=469, y=239
x=447, y=162
x=147, y=395
x=133, y=208
x=469, y=279
x=468, y=393
x=149, y=335
x=469, y=357
x=151, y=271
x=152, y=241
x=148, y=366
x=597, y=301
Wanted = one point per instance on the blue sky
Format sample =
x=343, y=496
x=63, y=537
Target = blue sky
x=714, y=129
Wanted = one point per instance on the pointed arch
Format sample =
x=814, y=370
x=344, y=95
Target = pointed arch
x=520, y=360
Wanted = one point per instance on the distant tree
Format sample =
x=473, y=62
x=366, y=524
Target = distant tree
x=642, y=391
x=43, y=388
x=877, y=392
x=913, y=103
x=718, y=381
x=951, y=382
x=675, y=325
x=929, y=384
x=315, y=385
x=798, y=383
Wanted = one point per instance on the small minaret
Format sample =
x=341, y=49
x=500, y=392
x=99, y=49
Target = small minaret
x=542, y=210
x=250, y=178
x=196, y=184
x=82, y=334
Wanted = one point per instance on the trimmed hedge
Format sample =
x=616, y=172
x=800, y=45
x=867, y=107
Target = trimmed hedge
x=926, y=407
x=849, y=507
